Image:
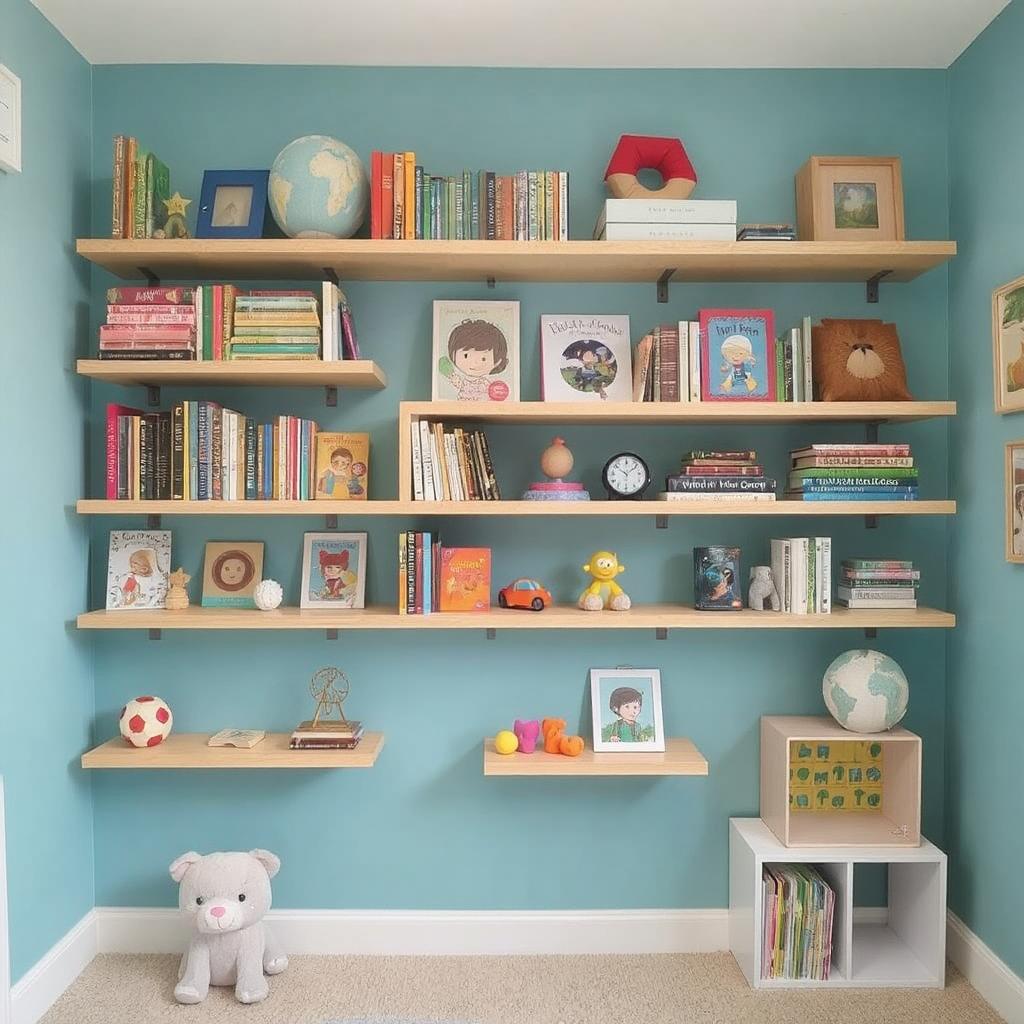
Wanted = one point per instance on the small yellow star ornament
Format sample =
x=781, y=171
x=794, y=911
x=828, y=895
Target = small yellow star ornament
x=176, y=226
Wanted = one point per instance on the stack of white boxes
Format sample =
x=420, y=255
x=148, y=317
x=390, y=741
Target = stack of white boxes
x=664, y=220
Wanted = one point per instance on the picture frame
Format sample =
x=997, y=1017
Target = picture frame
x=850, y=199
x=231, y=572
x=637, y=725
x=333, y=570
x=1008, y=346
x=10, y=121
x=475, y=356
x=233, y=204
x=585, y=358
x=1015, y=502
x=138, y=569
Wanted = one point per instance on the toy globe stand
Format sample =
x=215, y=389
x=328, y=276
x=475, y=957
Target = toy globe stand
x=556, y=463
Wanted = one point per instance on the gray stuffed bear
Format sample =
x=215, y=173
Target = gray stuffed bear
x=762, y=586
x=227, y=895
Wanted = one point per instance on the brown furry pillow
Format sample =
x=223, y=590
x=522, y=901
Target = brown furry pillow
x=858, y=361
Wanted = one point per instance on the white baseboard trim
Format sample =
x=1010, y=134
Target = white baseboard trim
x=995, y=982
x=40, y=987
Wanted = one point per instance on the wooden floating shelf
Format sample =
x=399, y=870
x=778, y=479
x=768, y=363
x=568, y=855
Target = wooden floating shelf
x=298, y=373
x=655, y=616
x=572, y=509
x=189, y=750
x=361, y=259
x=681, y=757
x=651, y=413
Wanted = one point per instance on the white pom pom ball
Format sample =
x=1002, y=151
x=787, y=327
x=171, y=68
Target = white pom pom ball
x=268, y=595
x=146, y=721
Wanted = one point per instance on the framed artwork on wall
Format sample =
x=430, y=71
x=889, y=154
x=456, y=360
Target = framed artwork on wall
x=1008, y=346
x=1015, y=501
x=625, y=704
x=10, y=121
x=850, y=199
x=233, y=204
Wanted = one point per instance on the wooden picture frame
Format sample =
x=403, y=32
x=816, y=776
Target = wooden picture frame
x=333, y=570
x=1014, y=500
x=850, y=199
x=231, y=572
x=1008, y=346
x=10, y=121
x=233, y=204
x=612, y=729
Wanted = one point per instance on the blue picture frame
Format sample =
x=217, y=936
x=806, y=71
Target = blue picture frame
x=210, y=223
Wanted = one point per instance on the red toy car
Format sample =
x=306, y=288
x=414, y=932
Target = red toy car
x=524, y=593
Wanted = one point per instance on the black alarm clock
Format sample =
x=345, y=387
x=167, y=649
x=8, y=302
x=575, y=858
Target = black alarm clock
x=625, y=477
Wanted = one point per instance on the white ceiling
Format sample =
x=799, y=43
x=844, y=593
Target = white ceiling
x=526, y=33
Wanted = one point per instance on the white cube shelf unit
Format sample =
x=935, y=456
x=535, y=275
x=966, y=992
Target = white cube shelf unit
x=906, y=950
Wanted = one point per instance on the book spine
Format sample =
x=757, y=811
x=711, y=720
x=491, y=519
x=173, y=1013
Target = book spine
x=492, y=479
x=825, y=578
x=139, y=197
x=250, y=460
x=467, y=204
x=164, y=442
x=474, y=207
x=418, y=574
x=112, y=452
x=410, y=572
x=738, y=485
x=418, y=194
x=134, y=466
x=144, y=459
x=563, y=206
x=427, y=214
x=722, y=471
x=695, y=366
x=491, y=200
x=204, y=491
x=440, y=459
x=399, y=183
x=429, y=493
x=549, y=206
x=117, y=197
x=402, y=606
x=805, y=351
x=417, y=461
x=387, y=195
x=409, y=200
x=375, y=192
x=141, y=298
x=124, y=443
x=178, y=452
x=460, y=211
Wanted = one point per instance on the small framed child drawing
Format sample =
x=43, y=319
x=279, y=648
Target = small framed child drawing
x=138, y=569
x=231, y=571
x=476, y=352
x=333, y=570
x=626, y=708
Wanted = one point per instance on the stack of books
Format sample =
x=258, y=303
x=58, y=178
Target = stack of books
x=666, y=365
x=451, y=464
x=275, y=325
x=200, y=451
x=635, y=220
x=326, y=735
x=796, y=930
x=852, y=472
x=802, y=570
x=766, y=233
x=149, y=323
x=878, y=583
x=141, y=182
x=432, y=578
x=719, y=476
x=408, y=202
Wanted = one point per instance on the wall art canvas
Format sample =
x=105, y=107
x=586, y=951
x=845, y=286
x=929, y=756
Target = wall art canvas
x=342, y=466
x=138, y=567
x=333, y=570
x=626, y=710
x=1008, y=346
x=476, y=352
x=737, y=355
x=585, y=358
x=1015, y=501
x=231, y=571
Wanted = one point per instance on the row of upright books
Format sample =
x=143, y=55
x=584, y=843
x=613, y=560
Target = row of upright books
x=433, y=578
x=408, y=202
x=222, y=322
x=878, y=583
x=706, y=475
x=802, y=570
x=852, y=472
x=451, y=464
x=141, y=184
x=798, y=914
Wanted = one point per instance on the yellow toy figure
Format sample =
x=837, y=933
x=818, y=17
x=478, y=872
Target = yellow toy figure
x=603, y=591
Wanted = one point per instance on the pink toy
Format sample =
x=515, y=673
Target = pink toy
x=526, y=733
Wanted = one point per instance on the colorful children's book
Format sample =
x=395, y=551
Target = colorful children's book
x=138, y=568
x=342, y=466
x=737, y=355
x=465, y=580
x=584, y=358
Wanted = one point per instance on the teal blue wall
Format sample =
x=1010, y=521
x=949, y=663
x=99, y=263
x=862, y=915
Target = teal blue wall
x=46, y=697
x=425, y=828
x=986, y=700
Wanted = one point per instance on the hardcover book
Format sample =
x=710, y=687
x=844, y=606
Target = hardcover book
x=585, y=358
x=716, y=579
x=476, y=351
x=138, y=567
x=342, y=466
x=465, y=580
x=737, y=355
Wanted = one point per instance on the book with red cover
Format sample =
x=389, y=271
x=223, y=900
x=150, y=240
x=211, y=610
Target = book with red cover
x=144, y=295
x=465, y=580
x=147, y=332
x=387, y=195
x=113, y=411
x=737, y=355
x=375, y=193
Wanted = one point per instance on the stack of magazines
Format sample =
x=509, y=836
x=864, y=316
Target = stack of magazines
x=796, y=939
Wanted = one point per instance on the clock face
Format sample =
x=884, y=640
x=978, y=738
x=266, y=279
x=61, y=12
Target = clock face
x=626, y=474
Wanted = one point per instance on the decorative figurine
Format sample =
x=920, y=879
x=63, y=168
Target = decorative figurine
x=524, y=593
x=175, y=225
x=177, y=595
x=505, y=742
x=145, y=721
x=639, y=152
x=330, y=687
x=555, y=740
x=625, y=477
x=556, y=463
x=526, y=733
x=267, y=595
x=603, y=591
x=762, y=586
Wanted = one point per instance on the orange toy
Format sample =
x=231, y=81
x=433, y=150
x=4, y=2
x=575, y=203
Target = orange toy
x=555, y=740
x=571, y=746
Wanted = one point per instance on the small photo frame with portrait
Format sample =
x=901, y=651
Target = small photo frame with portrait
x=626, y=709
x=231, y=571
x=233, y=204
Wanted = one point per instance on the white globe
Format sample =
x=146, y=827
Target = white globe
x=146, y=721
x=865, y=691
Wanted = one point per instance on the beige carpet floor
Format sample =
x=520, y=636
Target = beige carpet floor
x=683, y=989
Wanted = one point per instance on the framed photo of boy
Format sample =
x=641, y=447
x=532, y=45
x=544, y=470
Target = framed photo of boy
x=1015, y=502
x=626, y=707
x=476, y=352
x=1008, y=345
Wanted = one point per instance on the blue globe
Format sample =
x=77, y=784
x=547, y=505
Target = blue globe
x=865, y=691
x=318, y=189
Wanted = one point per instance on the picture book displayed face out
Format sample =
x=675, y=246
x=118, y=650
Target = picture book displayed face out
x=138, y=567
x=1008, y=345
x=626, y=710
x=231, y=572
x=737, y=355
x=476, y=352
x=333, y=570
x=716, y=579
x=1015, y=501
x=465, y=579
x=342, y=466
x=585, y=358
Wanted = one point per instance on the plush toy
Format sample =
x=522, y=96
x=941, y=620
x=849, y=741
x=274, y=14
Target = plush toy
x=555, y=740
x=637, y=152
x=762, y=586
x=505, y=742
x=526, y=733
x=227, y=895
x=858, y=361
x=603, y=591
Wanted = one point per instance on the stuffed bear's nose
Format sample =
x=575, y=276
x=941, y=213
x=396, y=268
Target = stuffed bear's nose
x=218, y=911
